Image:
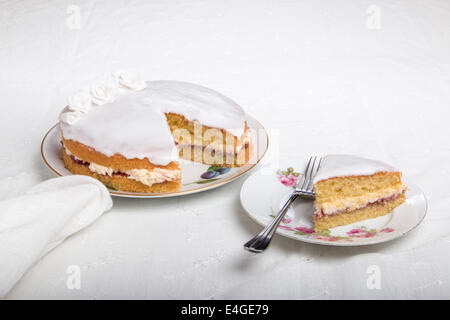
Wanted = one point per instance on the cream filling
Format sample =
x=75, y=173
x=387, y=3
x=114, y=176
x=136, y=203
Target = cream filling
x=157, y=175
x=147, y=177
x=351, y=204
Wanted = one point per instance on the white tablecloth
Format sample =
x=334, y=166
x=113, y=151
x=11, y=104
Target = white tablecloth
x=364, y=77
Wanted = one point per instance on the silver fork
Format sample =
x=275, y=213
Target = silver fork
x=304, y=189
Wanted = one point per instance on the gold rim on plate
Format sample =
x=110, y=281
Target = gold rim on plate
x=149, y=195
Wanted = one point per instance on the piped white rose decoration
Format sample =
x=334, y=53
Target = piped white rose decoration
x=81, y=101
x=70, y=117
x=104, y=91
x=129, y=80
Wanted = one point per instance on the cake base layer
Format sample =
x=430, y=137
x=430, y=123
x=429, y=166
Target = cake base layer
x=369, y=212
x=119, y=182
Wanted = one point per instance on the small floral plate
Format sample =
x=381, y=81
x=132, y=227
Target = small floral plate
x=298, y=222
x=195, y=177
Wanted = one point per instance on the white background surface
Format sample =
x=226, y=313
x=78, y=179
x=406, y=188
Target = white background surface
x=316, y=73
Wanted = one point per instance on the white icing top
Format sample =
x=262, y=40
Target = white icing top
x=342, y=165
x=134, y=124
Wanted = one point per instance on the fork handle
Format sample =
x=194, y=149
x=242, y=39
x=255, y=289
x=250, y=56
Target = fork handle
x=262, y=240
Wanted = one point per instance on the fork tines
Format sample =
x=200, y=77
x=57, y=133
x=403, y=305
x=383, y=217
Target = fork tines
x=305, y=184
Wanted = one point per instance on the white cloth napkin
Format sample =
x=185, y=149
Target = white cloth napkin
x=37, y=221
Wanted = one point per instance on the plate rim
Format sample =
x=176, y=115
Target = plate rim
x=126, y=194
x=337, y=244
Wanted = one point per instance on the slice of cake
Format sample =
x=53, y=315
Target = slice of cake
x=130, y=134
x=350, y=189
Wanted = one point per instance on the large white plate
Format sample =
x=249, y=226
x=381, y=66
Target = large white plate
x=191, y=181
x=263, y=195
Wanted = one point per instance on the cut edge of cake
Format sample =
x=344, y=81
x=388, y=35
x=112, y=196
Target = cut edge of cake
x=208, y=145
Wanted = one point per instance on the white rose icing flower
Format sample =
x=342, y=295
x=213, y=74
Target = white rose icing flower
x=129, y=80
x=70, y=117
x=81, y=101
x=104, y=91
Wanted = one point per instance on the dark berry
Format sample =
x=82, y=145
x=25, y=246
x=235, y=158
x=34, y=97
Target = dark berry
x=209, y=174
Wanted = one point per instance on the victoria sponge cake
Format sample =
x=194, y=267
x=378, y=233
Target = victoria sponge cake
x=130, y=134
x=350, y=189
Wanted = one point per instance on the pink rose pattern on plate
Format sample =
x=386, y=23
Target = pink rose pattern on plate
x=289, y=178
